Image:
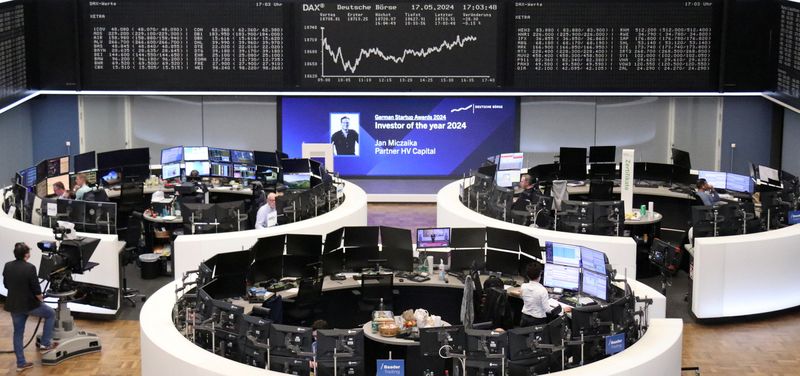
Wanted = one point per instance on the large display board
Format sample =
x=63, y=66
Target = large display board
x=787, y=75
x=409, y=136
x=408, y=44
x=13, y=77
x=176, y=45
x=574, y=45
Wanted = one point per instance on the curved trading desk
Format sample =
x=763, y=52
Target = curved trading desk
x=451, y=212
x=164, y=350
x=190, y=250
x=746, y=274
x=107, y=273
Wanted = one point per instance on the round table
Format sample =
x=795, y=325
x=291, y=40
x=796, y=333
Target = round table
x=390, y=340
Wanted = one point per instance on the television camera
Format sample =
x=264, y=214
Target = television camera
x=60, y=258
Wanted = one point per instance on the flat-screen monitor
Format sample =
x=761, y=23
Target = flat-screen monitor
x=468, y=237
x=561, y=276
x=738, y=183
x=242, y=157
x=431, y=340
x=237, y=262
x=598, y=154
x=28, y=176
x=529, y=246
x=334, y=240
x=358, y=258
x=244, y=171
x=41, y=171
x=303, y=245
x=359, y=236
x=593, y=260
x=346, y=342
x=57, y=166
x=681, y=158
x=594, y=285
x=110, y=177
x=295, y=166
x=523, y=342
x=499, y=238
x=682, y=175
x=433, y=237
x=510, y=161
x=767, y=173
x=266, y=158
x=41, y=188
x=123, y=157
x=219, y=155
x=502, y=262
x=172, y=155
x=572, y=171
x=268, y=174
x=603, y=171
x=572, y=156
x=85, y=162
x=221, y=169
x=64, y=179
x=481, y=343
x=170, y=170
x=563, y=254
x=297, y=181
x=396, y=237
x=397, y=258
x=290, y=340
x=195, y=153
x=466, y=258
x=269, y=246
x=715, y=178
x=658, y=172
x=507, y=178
x=203, y=168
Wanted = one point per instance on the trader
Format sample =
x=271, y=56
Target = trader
x=535, y=299
x=706, y=192
x=267, y=215
x=81, y=187
x=527, y=195
x=345, y=141
x=25, y=299
x=60, y=191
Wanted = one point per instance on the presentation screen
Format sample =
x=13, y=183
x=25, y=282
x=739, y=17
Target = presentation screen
x=392, y=136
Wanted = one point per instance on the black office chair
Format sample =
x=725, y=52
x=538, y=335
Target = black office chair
x=601, y=190
x=307, y=303
x=131, y=199
x=375, y=287
x=133, y=248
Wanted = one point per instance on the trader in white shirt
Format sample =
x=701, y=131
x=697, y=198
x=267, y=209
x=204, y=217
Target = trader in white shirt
x=535, y=299
x=267, y=215
x=81, y=186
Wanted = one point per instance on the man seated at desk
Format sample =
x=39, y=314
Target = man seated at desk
x=81, y=186
x=267, y=215
x=60, y=190
x=707, y=193
x=527, y=195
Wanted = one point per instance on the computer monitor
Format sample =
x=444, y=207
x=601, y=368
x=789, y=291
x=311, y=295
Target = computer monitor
x=681, y=158
x=572, y=156
x=463, y=259
x=266, y=158
x=579, y=209
x=715, y=178
x=236, y=262
x=593, y=260
x=172, y=155
x=91, y=177
x=295, y=166
x=255, y=329
x=41, y=188
x=219, y=155
x=242, y=171
x=396, y=237
x=361, y=236
x=265, y=269
x=242, y=156
x=358, y=258
x=229, y=316
x=229, y=215
x=507, y=178
x=738, y=183
x=603, y=171
x=123, y=157
x=510, y=161
x=768, y=174
x=487, y=171
x=523, y=342
x=483, y=343
x=333, y=262
x=563, y=254
x=290, y=365
x=594, y=285
x=85, y=162
x=398, y=259
x=572, y=171
x=658, y=172
x=431, y=340
x=502, y=262
x=290, y=340
x=334, y=240
x=28, y=176
x=591, y=320
x=499, y=238
x=41, y=171
x=297, y=181
x=203, y=168
x=468, y=237
x=64, y=179
x=299, y=266
x=544, y=172
x=303, y=245
x=269, y=246
x=344, y=342
x=195, y=153
x=53, y=167
x=438, y=237
x=609, y=218
x=561, y=276
x=682, y=175
x=170, y=171
x=267, y=174
x=529, y=246
x=223, y=170
x=602, y=154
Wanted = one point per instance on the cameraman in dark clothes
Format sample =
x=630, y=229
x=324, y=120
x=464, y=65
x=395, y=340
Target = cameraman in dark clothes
x=25, y=299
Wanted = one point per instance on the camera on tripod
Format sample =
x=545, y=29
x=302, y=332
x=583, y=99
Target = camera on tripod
x=59, y=261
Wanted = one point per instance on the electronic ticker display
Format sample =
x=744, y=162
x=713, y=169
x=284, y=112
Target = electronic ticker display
x=13, y=76
x=787, y=74
x=577, y=45
x=173, y=44
x=399, y=45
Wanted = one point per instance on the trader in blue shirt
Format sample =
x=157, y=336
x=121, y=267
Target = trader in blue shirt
x=707, y=193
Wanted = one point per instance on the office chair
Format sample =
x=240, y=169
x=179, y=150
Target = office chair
x=130, y=254
x=601, y=190
x=559, y=193
x=306, y=304
x=131, y=198
x=375, y=287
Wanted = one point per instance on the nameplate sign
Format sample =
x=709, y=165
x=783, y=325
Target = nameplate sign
x=388, y=367
x=626, y=183
x=794, y=217
x=615, y=343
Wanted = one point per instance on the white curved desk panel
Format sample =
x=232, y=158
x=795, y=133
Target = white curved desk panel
x=451, y=212
x=107, y=273
x=190, y=250
x=746, y=274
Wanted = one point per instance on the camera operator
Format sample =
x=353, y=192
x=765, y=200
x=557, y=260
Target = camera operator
x=25, y=299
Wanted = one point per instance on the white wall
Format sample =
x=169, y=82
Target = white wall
x=790, y=160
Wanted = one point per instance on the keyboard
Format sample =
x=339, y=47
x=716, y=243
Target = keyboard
x=573, y=300
x=280, y=286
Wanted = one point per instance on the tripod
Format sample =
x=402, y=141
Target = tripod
x=68, y=339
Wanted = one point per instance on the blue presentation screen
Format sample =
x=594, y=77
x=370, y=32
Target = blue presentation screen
x=397, y=136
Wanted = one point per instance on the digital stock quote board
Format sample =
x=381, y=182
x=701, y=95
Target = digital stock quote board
x=13, y=77
x=189, y=45
x=575, y=45
x=787, y=75
x=364, y=46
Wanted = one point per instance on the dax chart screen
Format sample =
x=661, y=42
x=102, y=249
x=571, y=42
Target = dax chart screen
x=416, y=45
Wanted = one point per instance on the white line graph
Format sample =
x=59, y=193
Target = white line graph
x=352, y=65
x=464, y=108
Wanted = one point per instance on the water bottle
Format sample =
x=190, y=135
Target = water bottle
x=381, y=306
x=441, y=270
